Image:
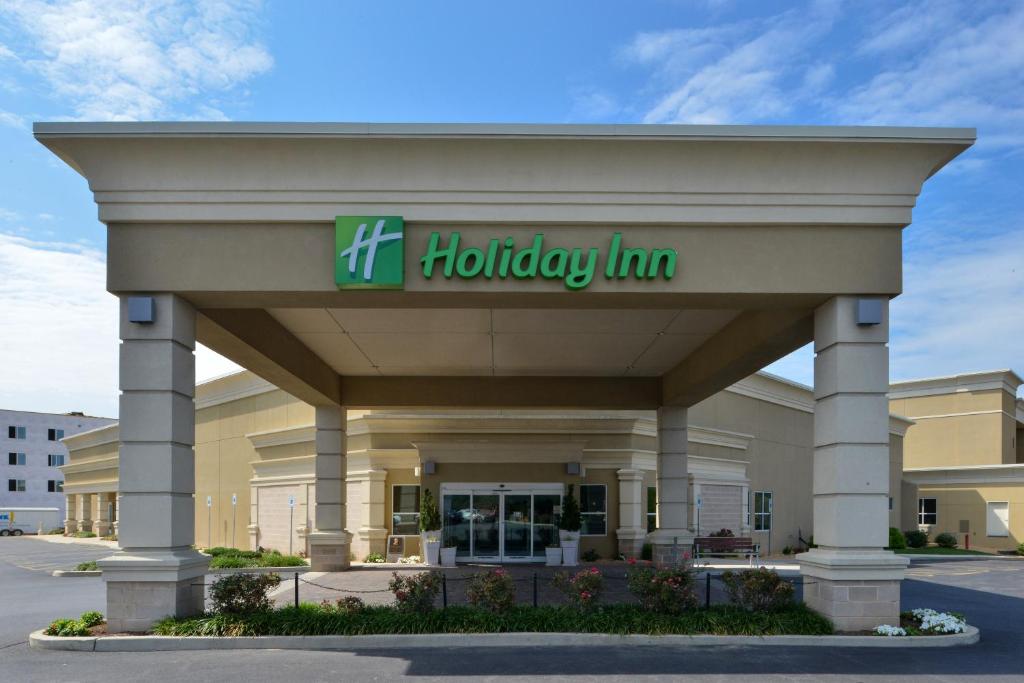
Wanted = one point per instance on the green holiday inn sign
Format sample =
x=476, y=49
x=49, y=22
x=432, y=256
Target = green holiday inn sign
x=370, y=254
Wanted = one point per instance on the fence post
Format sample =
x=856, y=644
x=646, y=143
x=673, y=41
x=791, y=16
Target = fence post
x=707, y=590
x=444, y=590
x=535, y=589
x=296, y=589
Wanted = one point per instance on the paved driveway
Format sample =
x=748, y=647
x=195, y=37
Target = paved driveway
x=989, y=592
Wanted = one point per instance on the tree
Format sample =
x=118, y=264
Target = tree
x=570, y=520
x=430, y=518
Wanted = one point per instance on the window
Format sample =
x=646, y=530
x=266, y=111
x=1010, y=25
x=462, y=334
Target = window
x=54, y=434
x=593, y=510
x=405, y=510
x=55, y=459
x=927, y=511
x=15, y=484
x=55, y=486
x=762, y=510
x=652, y=509
x=15, y=432
x=997, y=519
x=15, y=458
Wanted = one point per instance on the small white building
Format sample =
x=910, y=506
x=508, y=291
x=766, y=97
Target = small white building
x=34, y=453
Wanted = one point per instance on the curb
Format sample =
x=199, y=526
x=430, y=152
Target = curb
x=75, y=572
x=38, y=640
x=260, y=570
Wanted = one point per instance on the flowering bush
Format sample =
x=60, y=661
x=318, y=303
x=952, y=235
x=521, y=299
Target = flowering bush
x=758, y=590
x=583, y=588
x=931, y=621
x=886, y=630
x=416, y=593
x=374, y=558
x=411, y=559
x=348, y=604
x=67, y=628
x=670, y=590
x=243, y=593
x=493, y=590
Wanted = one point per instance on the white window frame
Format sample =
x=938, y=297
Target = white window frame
x=393, y=513
x=50, y=459
x=58, y=486
x=20, y=459
x=17, y=483
x=595, y=514
x=763, y=514
x=988, y=531
x=19, y=432
x=58, y=434
x=921, y=513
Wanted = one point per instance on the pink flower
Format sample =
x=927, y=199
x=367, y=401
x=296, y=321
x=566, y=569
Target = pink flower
x=632, y=561
x=593, y=570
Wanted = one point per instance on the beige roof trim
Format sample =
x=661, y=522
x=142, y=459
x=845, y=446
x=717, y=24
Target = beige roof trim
x=94, y=437
x=1005, y=379
x=972, y=474
x=233, y=387
x=765, y=386
x=282, y=437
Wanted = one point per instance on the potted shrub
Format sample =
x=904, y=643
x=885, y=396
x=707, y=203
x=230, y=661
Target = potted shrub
x=430, y=528
x=553, y=555
x=569, y=529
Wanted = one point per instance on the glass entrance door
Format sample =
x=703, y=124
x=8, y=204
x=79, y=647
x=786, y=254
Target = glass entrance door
x=500, y=526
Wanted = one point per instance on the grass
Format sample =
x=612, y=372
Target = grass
x=84, y=534
x=309, y=619
x=89, y=566
x=936, y=550
x=233, y=558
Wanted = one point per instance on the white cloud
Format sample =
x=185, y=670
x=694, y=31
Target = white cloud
x=13, y=120
x=60, y=343
x=744, y=71
x=593, y=104
x=138, y=59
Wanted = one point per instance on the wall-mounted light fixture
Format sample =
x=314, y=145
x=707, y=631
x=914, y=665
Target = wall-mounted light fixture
x=572, y=468
x=140, y=309
x=869, y=311
x=429, y=467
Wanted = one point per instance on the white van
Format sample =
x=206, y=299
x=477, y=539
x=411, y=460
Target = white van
x=18, y=521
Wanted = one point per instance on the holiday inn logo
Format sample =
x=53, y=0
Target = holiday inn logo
x=369, y=252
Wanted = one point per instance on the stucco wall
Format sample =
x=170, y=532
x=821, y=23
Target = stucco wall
x=968, y=502
x=957, y=428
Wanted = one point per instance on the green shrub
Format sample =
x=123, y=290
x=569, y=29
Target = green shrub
x=945, y=540
x=276, y=559
x=758, y=589
x=374, y=558
x=916, y=538
x=430, y=517
x=217, y=551
x=229, y=562
x=67, y=628
x=346, y=605
x=416, y=593
x=1020, y=549
x=787, y=550
x=56, y=532
x=896, y=539
x=89, y=566
x=583, y=588
x=308, y=620
x=493, y=590
x=671, y=590
x=91, y=618
x=84, y=534
x=570, y=518
x=590, y=555
x=243, y=593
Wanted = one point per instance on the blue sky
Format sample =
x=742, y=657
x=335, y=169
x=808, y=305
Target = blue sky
x=710, y=61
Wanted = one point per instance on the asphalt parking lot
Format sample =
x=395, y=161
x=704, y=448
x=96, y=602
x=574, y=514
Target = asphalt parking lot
x=990, y=592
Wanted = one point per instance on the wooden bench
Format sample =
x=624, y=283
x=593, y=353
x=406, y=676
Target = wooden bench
x=726, y=546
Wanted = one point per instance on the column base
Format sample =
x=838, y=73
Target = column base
x=84, y=525
x=856, y=590
x=101, y=528
x=145, y=586
x=70, y=526
x=631, y=541
x=671, y=547
x=330, y=551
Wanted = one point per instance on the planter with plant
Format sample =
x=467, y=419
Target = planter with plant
x=553, y=555
x=448, y=556
x=569, y=529
x=430, y=528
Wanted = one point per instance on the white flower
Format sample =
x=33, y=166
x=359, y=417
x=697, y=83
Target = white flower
x=412, y=559
x=886, y=630
x=938, y=622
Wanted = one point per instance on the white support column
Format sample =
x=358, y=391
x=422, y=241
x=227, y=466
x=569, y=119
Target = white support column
x=697, y=501
x=673, y=541
x=70, y=518
x=101, y=514
x=115, y=525
x=632, y=529
x=85, y=511
x=154, y=573
x=850, y=578
x=329, y=543
x=745, y=511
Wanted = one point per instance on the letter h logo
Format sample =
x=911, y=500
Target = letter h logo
x=369, y=252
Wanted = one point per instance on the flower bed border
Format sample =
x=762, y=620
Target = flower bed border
x=40, y=641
